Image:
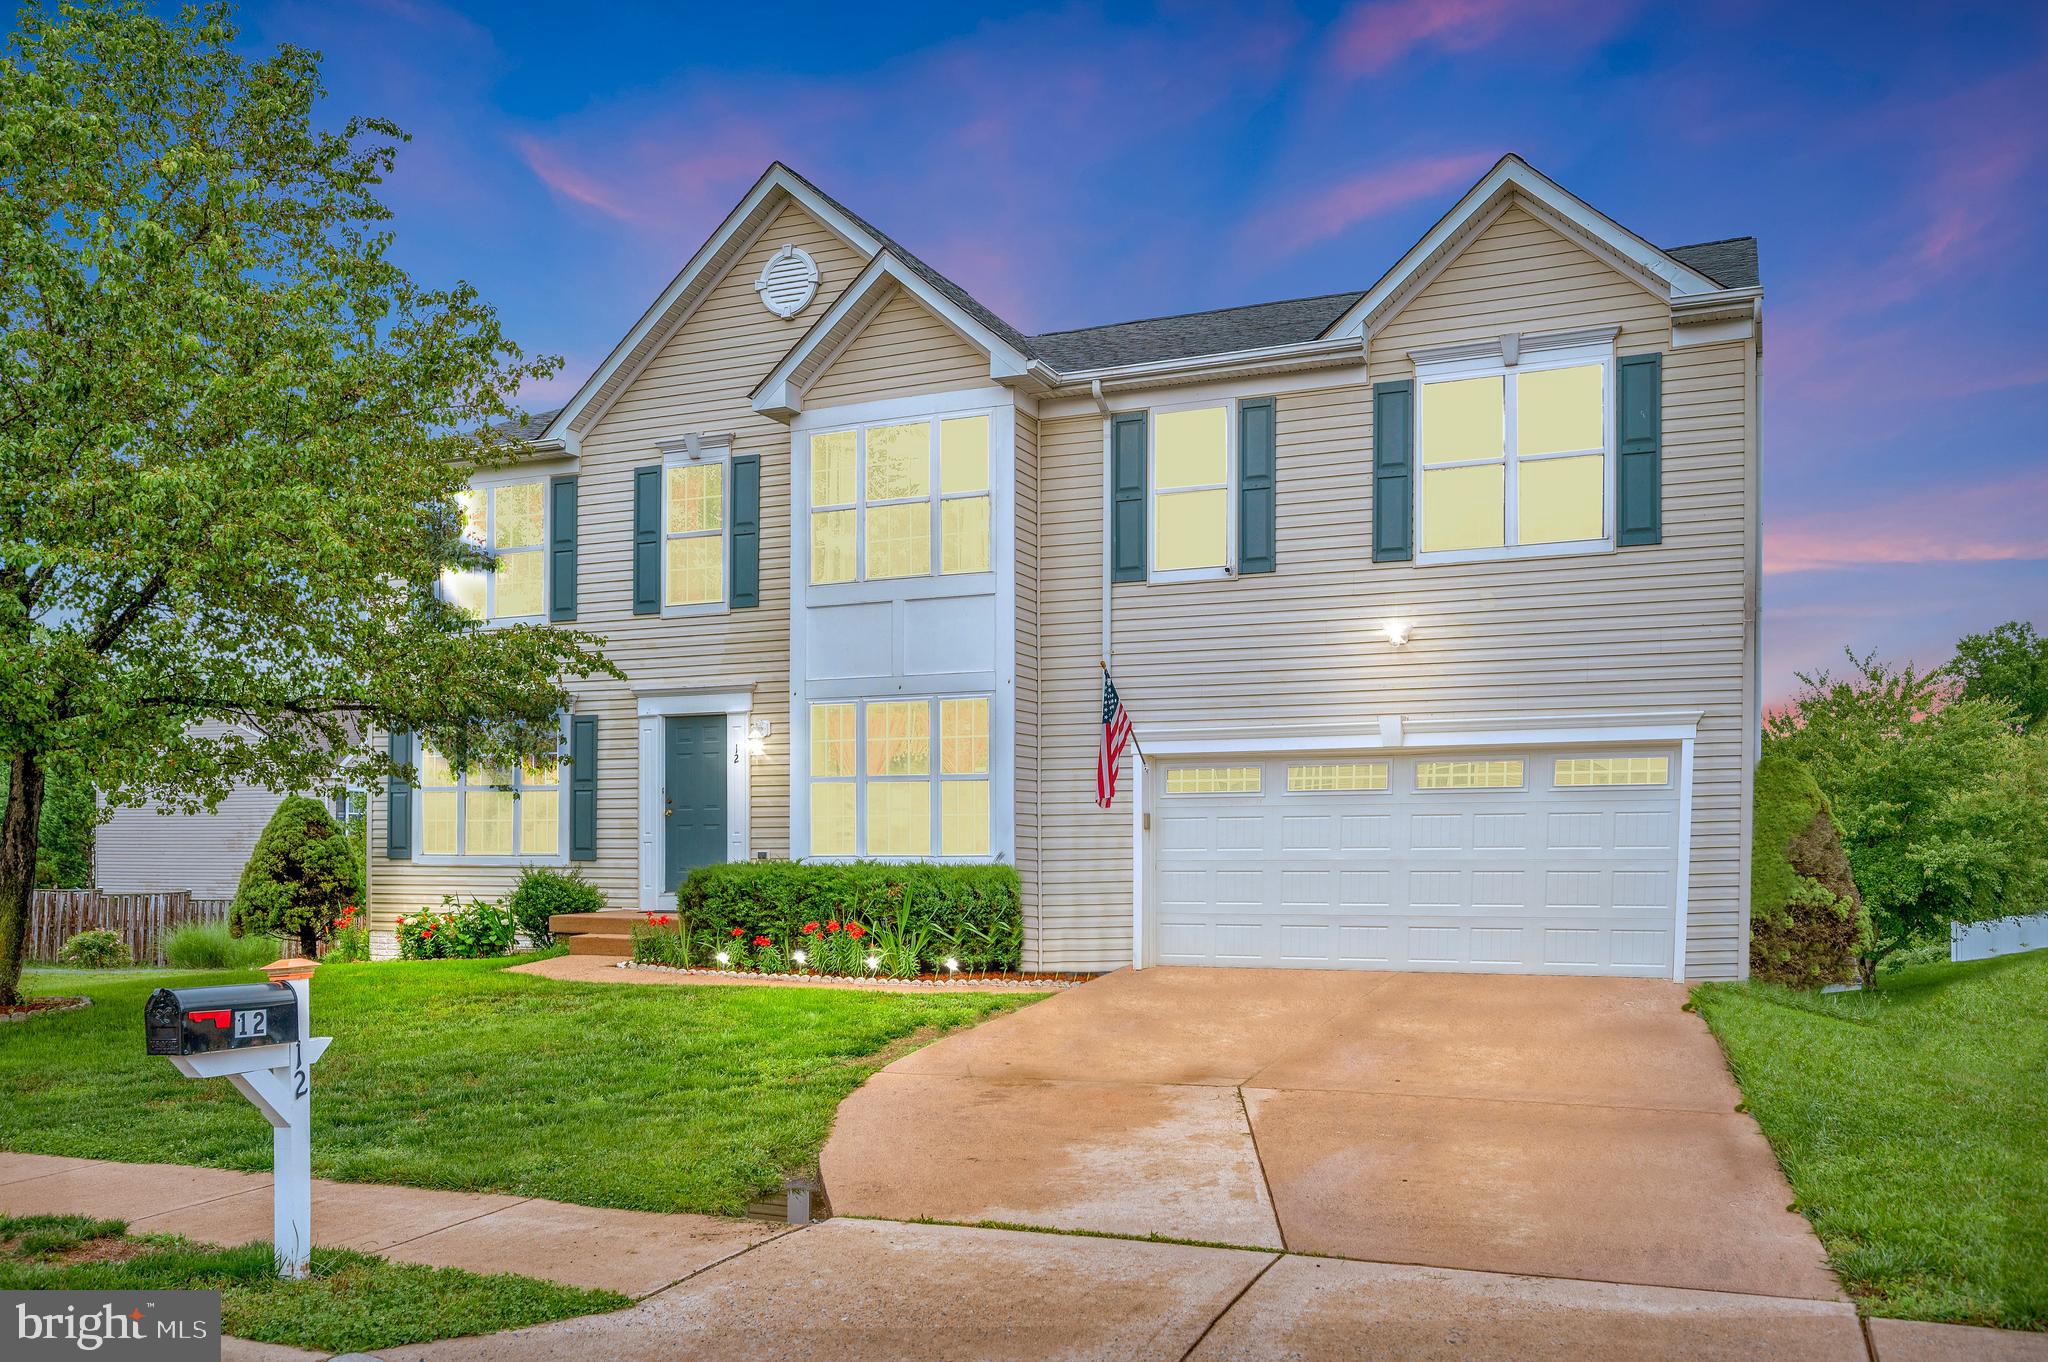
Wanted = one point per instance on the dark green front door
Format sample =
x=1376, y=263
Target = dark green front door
x=693, y=798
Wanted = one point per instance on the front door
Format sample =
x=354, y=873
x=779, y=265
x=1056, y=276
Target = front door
x=693, y=794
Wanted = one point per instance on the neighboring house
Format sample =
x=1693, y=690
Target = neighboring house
x=149, y=849
x=1434, y=602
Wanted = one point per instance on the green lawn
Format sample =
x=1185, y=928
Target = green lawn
x=349, y=1302
x=1913, y=1124
x=460, y=1075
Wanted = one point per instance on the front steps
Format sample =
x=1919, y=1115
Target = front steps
x=608, y=933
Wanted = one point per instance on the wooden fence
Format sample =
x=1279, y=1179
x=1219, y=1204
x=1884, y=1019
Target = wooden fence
x=142, y=920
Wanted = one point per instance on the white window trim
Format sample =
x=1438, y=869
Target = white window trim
x=934, y=780
x=1494, y=365
x=511, y=478
x=934, y=498
x=673, y=457
x=560, y=855
x=1153, y=573
x=653, y=706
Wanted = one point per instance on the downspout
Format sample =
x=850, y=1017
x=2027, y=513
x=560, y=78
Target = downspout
x=1108, y=509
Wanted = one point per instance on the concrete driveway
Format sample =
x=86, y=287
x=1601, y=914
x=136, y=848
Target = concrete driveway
x=1554, y=1127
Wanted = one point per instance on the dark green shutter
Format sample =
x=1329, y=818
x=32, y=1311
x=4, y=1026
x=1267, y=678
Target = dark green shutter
x=744, y=580
x=562, y=548
x=1255, y=507
x=398, y=803
x=1127, y=497
x=647, y=540
x=1639, y=454
x=1393, y=471
x=583, y=787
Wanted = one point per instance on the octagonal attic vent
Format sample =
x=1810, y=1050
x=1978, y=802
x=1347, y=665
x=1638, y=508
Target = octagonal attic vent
x=788, y=281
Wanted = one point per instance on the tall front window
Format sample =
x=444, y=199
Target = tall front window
x=693, y=567
x=489, y=812
x=1191, y=490
x=881, y=785
x=1514, y=457
x=510, y=520
x=881, y=494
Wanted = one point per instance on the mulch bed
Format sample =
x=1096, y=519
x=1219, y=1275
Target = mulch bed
x=41, y=1007
x=962, y=981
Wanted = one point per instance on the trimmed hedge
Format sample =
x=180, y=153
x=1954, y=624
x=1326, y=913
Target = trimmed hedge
x=1807, y=923
x=973, y=913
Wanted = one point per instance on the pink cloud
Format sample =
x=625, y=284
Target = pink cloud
x=1989, y=522
x=1293, y=223
x=1369, y=38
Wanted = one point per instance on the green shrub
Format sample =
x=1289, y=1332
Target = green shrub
x=210, y=945
x=300, y=877
x=541, y=893
x=920, y=911
x=1807, y=924
x=458, y=932
x=96, y=950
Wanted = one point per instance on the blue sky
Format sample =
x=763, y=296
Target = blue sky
x=1082, y=164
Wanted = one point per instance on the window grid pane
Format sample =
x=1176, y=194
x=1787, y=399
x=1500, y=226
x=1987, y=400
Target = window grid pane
x=899, y=461
x=1468, y=775
x=963, y=534
x=833, y=824
x=516, y=515
x=1581, y=771
x=832, y=469
x=963, y=818
x=696, y=570
x=1191, y=448
x=832, y=742
x=1464, y=508
x=899, y=738
x=439, y=825
x=1463, y=419
x=540, y=822
x=832, y=547
x=1213, y=780
x=1559, y=411
x=963, y=737
x=487, y=822
x=963, y=454
x=900, y=540
x=521, y=585
x=1559, y=501
x=696, y=498
x=899, y=818
x=1338, y=776
x=466, y=591
x=1188, y=528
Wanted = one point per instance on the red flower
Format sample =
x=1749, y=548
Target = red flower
x=810, y=929
x=760, y=941
x=855, y=930
x=663, y=920
x=739, y=931
x=832, y=926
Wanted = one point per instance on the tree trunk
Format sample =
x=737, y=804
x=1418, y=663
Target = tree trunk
x=18, y=867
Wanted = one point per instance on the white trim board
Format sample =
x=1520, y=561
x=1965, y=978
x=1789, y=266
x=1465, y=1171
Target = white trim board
x=654, y=705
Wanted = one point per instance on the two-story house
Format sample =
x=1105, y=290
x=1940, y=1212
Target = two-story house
x=1433, y=601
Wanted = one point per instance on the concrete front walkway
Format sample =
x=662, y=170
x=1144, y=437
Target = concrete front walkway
x=1572, y=1128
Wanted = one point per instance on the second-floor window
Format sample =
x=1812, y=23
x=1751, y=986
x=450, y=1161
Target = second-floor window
x=900, y=499
x=1191, y=478
x=693, y=527
x=510, y=520
x=1514, y=458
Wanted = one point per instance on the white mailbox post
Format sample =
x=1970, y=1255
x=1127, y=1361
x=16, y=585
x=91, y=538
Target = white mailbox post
x=275, y=1076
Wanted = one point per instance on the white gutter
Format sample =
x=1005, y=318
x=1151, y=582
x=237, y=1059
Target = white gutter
x=1330, y=350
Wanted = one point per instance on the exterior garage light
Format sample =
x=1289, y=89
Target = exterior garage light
x=1396, y=631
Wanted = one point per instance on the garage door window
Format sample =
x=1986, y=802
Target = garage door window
x=1213, y=780
x=1575, y=772
x=1333, y=777
x=1468, y=775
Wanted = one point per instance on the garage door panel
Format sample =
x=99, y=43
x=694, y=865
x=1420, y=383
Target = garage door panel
x=1575, y=880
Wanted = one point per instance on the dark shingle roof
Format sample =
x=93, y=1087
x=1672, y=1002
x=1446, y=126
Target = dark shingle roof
x=512, y=428
x=1730, y=262
x=1193, y=333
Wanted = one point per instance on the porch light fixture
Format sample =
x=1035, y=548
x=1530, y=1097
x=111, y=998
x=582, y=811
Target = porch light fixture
x=757, y=737
x=1397, y=632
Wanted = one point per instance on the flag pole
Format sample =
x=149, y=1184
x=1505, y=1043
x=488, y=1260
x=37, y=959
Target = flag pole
x=1135, y=744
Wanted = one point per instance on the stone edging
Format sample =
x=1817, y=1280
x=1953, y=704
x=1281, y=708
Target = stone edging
x=77, y=1004
x=966, y=984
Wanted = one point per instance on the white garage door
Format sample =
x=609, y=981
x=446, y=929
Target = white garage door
x=1555, y=862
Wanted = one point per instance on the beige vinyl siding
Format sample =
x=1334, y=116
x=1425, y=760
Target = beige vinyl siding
x=148, y=849
x=699, y=380
x=1658, y=627
x=1025, y=792
x=905, y=350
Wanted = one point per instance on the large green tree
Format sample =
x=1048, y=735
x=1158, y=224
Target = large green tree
x=2011, y=664
x=231, y=431
x=1942, y=802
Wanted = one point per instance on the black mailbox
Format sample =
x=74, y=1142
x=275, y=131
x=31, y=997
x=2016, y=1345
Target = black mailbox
x=193, y=1021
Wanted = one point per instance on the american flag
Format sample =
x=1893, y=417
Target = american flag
x=1116, y=731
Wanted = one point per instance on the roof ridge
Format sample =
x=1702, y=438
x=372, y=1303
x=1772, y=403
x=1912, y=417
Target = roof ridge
x=1201, y=312
x=1717, y=241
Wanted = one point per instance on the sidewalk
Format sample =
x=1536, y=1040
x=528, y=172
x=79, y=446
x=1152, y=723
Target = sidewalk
x=857, y=1289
